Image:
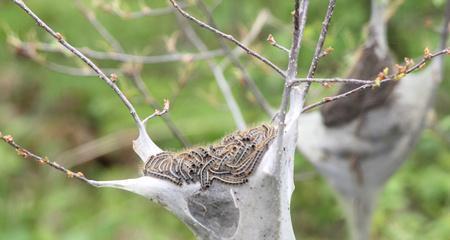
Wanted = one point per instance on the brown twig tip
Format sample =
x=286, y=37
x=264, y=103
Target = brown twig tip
x=165, y=108
x=271, y=39
x=8, y=138
x=158, y=112
x=427, y=54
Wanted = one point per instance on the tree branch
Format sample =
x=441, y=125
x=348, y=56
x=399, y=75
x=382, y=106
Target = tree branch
x=300, y=13
x=259, y=97
x=229, y=38
x=403, y=71
x=321, y=41
x=218, y=74
x=273, y=42
x=43, y=160
x=145, y=11
x=125, y=57
x=80, y=55
x=333, y=80
x=90, y=16
x=143, y=139
x=133, y=74
x=263, y=17
x=142, y=88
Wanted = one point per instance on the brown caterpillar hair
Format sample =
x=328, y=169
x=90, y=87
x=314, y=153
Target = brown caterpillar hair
x=230, y=161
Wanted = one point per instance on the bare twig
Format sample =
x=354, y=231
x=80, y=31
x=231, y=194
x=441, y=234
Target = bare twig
x=80, y=55
x=145, y=11
x=28, y=51
x=218, y=74
x=229, y=38
x=124, y=57
x=159, y=112
x=43, y=160
x=334, y=98
x=75, y=71
x=446, y=27
x=404, y=71
x=90, y=16
x=333, y=80
x=299, y=22
x=88, y=72
x=263, y=17
x=321, y=41
x=273, y=42
x=142, y=88
x=259, y=97
x=132, y=73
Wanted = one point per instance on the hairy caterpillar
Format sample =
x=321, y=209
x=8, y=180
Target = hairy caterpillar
x=230, y=161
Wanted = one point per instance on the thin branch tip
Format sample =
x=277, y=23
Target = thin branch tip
x=401, y=72
x=157, y=112
x=26, y=154
x=271, y=40
x=228, y=37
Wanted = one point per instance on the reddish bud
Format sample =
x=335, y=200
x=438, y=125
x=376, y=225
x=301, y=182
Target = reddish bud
x=271, y=39
x=8, y=138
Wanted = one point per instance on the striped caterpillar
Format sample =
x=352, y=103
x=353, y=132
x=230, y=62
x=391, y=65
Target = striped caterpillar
x=230, y=161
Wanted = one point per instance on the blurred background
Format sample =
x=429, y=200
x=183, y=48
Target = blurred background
x=79, y=122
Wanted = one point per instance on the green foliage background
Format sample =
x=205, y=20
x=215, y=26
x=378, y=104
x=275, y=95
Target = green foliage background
x=50, y=113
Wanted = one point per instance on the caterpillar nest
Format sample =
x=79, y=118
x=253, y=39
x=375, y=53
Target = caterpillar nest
x=230, y=161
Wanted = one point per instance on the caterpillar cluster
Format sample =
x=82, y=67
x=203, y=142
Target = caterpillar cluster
x=230, y=161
